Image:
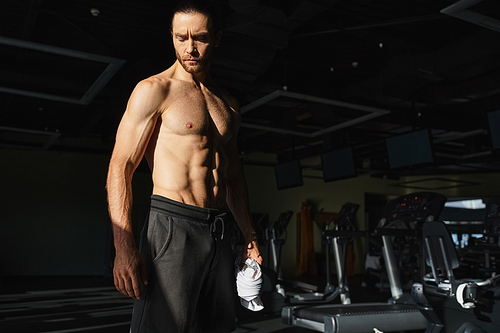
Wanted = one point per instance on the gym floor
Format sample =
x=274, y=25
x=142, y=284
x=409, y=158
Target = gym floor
x=87, y=304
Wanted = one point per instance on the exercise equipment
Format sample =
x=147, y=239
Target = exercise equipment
x=365, y=317
x=404, y=217
x=275, y=240
x=472, y=302
x=338, y=241
x=401, y=312
x=273, y=294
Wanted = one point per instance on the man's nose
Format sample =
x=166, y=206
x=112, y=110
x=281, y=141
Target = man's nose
x=190, y=46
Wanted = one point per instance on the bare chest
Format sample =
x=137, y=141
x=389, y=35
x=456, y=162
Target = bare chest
x=197, y=112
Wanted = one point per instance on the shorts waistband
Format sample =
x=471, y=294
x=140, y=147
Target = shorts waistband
x=182, y=210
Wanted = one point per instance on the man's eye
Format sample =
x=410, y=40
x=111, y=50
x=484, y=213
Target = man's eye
x=203, y=39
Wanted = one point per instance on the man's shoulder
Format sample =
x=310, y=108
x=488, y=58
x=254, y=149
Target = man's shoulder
x=151, y=94
x=229, y=99
x=156, y=82
x=232, y=102
x=158, y=86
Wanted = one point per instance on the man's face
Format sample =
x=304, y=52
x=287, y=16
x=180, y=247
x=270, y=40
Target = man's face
x=193, y=42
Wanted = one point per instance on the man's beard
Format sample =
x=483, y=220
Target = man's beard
x=201, y=62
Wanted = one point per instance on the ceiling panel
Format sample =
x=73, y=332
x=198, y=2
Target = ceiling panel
x=427, y=68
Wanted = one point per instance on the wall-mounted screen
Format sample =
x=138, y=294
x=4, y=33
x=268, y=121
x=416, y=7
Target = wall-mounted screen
x=494, y=126
x=409, y=149
x=338, y=164
x=288, y=174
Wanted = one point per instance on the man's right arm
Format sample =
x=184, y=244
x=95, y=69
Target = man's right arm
x=132, y=139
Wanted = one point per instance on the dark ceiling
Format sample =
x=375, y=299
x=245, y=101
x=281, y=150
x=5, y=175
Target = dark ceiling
x=311, y=75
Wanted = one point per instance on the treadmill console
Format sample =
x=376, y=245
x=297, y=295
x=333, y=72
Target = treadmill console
x=415, y=207
x=281, y=224
x=492, y=218
x=346, y=215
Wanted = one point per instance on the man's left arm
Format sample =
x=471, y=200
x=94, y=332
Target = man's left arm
x=237, y=201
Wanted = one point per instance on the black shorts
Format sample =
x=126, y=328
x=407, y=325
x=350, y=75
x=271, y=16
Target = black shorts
x=191, y=277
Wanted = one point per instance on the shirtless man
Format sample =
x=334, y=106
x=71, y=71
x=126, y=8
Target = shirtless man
x=183, y=274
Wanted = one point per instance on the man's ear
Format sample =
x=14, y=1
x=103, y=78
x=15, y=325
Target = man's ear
x=218, y=38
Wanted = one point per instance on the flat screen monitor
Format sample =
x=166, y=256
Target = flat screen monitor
x=288, y=174
x=494, y=126
x=409, y=149
x=338, y=164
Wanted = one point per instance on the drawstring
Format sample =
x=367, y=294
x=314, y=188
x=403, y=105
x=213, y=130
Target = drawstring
x=213, y=225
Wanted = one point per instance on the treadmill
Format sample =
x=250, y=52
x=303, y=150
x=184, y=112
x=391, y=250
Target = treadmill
x=402, y=312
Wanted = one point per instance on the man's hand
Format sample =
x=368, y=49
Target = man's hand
x=129, y=270
x=252, y=252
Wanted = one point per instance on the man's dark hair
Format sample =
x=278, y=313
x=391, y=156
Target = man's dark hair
x=199, y=6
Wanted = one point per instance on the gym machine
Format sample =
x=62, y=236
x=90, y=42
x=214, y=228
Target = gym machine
x=402, y=312
x=464, y=304
x=273, y=237
x=273, y=294
x=336, y=239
